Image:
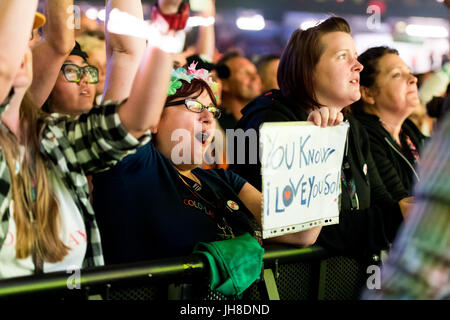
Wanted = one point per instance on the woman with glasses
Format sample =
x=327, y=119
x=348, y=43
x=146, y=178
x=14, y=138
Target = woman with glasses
x=159, y=203
x=74, y=90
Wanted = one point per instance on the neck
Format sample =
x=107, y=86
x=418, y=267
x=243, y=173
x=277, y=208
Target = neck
x=11, y=116
x=391, y=122
x=187, y=172
x=235, y=106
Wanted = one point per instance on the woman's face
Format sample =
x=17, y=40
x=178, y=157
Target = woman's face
x=336, y=75
x=72, y=97
x=395, y=88
x=192, y=132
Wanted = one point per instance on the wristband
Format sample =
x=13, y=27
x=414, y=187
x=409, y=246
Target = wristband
x=155, y=32
x=176, y=21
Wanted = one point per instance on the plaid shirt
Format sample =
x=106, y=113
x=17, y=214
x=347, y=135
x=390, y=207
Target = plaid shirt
x=77, y=147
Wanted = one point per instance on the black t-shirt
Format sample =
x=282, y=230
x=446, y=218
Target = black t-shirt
x=145, y=211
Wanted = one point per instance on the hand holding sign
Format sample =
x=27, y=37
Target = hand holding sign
x=301, y=174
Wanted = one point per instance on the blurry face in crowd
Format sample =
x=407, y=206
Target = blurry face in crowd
x=244, y=82
x=198, y=129
x=71, y=97
x=269, y=75
x=336, y=75
x=98, y=58
x=395, y=87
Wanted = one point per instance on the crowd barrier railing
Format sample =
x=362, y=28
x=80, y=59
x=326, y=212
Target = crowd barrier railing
x=290, y=273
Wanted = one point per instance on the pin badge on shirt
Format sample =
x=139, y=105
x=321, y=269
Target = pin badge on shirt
x=232, y=205
x=365, y=169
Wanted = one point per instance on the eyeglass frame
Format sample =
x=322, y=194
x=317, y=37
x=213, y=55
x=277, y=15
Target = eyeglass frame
x=81, y=72
x=180, y=102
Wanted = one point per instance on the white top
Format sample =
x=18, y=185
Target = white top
x=72, y=233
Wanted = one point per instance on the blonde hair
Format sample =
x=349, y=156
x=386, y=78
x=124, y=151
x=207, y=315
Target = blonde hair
x=90, y=43
x=36, y=215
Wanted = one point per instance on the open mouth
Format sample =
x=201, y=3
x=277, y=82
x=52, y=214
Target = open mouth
x=85, y=93
x=202, y=136
x=354, y=81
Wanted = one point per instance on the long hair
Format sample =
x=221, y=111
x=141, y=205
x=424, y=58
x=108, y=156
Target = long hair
x=36, y=211
x=299, y=59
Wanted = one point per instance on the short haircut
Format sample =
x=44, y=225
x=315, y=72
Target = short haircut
x=300, y=57
x=264, y=60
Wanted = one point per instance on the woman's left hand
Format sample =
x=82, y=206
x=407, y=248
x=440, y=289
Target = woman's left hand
x=326, y=116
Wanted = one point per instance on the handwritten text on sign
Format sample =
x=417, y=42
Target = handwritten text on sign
x=301, y=174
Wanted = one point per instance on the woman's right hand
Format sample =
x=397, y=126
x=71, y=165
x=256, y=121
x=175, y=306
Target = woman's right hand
x=326, y=116
x=406, y=205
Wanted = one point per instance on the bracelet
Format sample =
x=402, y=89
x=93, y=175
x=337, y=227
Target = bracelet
x=196, y=21
x=176, y=21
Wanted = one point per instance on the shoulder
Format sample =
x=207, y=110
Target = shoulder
x=269, y=107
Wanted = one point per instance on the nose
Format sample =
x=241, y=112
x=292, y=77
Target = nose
x=84, y=78
x=206, y=116
x=357, y=66
x=412, y=79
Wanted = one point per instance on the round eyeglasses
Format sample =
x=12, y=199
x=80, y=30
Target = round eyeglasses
x=73, y=73
x=196, y=106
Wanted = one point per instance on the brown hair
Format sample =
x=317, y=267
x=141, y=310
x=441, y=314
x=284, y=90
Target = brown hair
x=36, y=215
x=195, y=86
x=300, y=57
x=370, y=59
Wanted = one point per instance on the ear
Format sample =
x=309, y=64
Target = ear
x=225, y=86
x=367, y=95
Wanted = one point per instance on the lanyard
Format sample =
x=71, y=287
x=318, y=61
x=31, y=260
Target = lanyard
x=217, y=208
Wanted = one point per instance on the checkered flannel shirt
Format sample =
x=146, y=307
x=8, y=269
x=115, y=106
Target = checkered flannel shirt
x=77, y=147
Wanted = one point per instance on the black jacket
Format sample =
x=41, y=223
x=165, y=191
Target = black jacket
x=361, y=232
x=395, y=166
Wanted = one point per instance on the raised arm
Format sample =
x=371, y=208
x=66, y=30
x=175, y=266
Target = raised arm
x=143, y=108
x=205, y=44
x=123, y=53
x=49, y=54
x=252, y=199
x=16, y=21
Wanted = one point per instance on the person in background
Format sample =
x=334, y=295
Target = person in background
x=75, y=89
x=319, y=77
x=267, y=67
x=388, y=97
x=95, y=49
x=240, y=84
x=418, y=266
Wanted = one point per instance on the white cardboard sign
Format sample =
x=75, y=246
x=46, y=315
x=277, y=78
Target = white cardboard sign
x=301, y=175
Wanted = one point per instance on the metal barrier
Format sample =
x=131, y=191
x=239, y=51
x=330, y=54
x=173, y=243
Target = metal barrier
x=289, y=274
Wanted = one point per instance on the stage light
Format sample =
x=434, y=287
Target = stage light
x=254, y=23
x=92, y=13
x=426, y=31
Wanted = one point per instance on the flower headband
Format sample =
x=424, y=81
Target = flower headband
x=189, y=74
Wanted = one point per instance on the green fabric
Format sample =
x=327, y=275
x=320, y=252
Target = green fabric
x=234, y=264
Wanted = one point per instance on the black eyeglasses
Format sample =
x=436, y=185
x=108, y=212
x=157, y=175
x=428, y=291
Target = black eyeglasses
x=73, y=73
x=196, y=106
